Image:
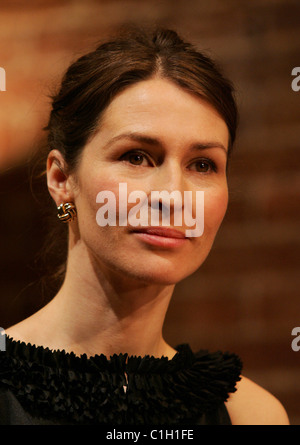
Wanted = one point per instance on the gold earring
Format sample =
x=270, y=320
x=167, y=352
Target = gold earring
x=66, y=212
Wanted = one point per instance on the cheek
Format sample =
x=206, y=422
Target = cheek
x=88, y=206
x=94, y=185
x=215, y=206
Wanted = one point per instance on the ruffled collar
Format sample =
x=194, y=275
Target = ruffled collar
x=60, y=385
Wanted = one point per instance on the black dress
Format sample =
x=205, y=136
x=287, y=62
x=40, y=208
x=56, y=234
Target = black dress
x=43, y=387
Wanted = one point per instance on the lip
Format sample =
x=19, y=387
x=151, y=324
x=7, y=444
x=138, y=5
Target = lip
x=161, y=236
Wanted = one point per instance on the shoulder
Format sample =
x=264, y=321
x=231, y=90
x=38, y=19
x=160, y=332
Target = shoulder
x=253, y=405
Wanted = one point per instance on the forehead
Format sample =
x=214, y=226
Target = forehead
x=159, y=107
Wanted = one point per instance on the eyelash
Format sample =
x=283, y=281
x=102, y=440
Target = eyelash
x=212, y=165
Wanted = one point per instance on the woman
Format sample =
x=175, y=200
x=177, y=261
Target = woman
x=149, y=112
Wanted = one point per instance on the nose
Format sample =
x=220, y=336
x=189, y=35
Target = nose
x=169, y=177
x=167, y=190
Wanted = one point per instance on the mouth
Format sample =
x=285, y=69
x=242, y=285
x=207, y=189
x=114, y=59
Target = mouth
x=161, y=236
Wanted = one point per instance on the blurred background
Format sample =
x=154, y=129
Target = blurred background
x=245, y=298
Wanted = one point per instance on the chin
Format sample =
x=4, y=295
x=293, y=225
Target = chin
x=150, y=267
x=148, y=274
x=161, y=275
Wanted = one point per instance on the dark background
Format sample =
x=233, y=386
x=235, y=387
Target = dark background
x=245, y=298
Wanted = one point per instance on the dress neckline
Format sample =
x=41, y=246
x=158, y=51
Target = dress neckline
x=43, y=351
x=184, y=357
x=60, y=385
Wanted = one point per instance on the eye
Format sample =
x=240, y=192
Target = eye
x=204, y=166
x=135, y=157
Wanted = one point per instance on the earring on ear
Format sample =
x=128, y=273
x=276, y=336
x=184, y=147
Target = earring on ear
x=66, y=212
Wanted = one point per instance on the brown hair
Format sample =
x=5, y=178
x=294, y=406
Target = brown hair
x=92, y=81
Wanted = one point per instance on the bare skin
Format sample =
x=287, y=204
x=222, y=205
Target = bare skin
x=118, y=286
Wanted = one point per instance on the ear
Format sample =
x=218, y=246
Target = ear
x=58, y=180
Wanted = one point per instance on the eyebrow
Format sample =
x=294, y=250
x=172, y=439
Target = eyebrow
x=142, y=138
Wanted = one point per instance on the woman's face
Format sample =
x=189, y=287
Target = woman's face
x=153, y=136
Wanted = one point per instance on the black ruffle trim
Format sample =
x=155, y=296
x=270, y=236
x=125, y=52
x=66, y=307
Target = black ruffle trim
x=59, y=385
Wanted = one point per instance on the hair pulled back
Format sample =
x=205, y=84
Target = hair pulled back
x=91, y=83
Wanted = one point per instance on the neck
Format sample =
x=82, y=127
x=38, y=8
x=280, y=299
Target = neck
x=98, y=310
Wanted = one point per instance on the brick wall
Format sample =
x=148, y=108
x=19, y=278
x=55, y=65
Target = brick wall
x=245, y=298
